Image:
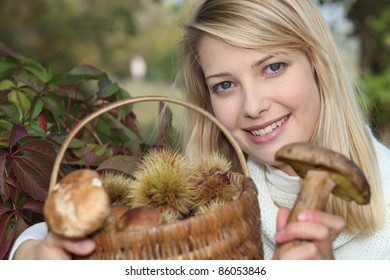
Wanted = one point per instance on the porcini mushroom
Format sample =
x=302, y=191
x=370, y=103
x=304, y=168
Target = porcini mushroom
x=323, y=171
x=141, y=217
x=78, y=205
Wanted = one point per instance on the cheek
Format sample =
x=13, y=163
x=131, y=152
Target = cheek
x=303, y=95
x=226, y=112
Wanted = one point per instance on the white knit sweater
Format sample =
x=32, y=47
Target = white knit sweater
x=278, y=189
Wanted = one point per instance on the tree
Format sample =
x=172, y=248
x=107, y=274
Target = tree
x=371, y=21
x=65, y=33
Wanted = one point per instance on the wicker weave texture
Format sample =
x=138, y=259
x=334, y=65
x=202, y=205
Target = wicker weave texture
x=231, y=232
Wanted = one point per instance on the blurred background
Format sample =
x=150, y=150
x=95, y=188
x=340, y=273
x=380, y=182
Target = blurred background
x=137, y=42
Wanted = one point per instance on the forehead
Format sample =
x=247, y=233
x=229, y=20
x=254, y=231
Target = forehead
x=212, y=49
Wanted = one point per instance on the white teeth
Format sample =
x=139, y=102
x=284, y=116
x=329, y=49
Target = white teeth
x=269, y=128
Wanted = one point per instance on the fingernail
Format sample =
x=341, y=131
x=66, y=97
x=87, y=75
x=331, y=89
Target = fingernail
x=85, y=244
x=279, y=233
x=302, y=217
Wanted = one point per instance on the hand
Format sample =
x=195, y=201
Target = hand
x=53, y=247
x=319, y=229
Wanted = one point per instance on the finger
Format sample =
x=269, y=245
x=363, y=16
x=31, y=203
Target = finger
x=333, y=222
x=306, y=251
x=282, y=218
x=303, y=231
x=75, y=246
x=80, y=247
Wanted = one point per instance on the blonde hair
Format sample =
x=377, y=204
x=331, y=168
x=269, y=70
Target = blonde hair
x=267, y=25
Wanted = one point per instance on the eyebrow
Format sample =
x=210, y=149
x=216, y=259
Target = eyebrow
x=219, y=75
x=261, y=61
x=254, y=65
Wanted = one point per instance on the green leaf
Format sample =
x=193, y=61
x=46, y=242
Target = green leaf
x=6, y=84
x=5, y=125
x=108, y=90
x=21, y=102
x=76, y=143
x=35, y=130
x=86, y=71
x=38, y=71
x=6, y=67
x=55, y=105
x=37, y=109
x=10, y=112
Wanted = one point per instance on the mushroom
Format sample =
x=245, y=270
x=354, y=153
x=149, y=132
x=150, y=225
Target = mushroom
x=323, y=171
x=141, y=217
x=78, y=205
x=111, y=223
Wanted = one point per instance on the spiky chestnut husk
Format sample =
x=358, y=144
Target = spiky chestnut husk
x=212, y=184
x=210, y=207
x=206, y=165
x=215, y=190
x=118, y=187
x=163, y=182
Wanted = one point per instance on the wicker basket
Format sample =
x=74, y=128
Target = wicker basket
x=231, y=232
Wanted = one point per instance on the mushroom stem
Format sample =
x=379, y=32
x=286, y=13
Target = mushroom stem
x=315, y=190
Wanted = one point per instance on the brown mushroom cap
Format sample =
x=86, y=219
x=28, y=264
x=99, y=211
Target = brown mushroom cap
x=78, y=205
x=351, y=184
x=140, y=217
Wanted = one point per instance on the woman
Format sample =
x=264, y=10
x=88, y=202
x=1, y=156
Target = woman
x=270, y=72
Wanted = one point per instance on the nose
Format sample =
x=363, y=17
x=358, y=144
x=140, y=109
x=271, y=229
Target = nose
x=255, y=102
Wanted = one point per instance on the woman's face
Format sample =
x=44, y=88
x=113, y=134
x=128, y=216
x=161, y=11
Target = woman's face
x=265, y=101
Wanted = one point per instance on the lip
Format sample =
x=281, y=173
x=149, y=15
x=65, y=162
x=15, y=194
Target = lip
x=260, y=139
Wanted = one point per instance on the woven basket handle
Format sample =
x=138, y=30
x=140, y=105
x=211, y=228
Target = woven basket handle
x=79, y=126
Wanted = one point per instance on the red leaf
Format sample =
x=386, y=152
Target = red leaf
x=165, y=119
x=33, y=206
x=125, y=164
x=40, y=147
x=131, y=123
x=32, y=167
x=6, y=241
x=13, y=188
x=30, y=179
x=4, y=210
x=20, y=225
x=18, y=132
x=4, y=191
x=42, y=122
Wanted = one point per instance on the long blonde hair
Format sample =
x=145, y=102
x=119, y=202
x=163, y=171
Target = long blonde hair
x=267, y=25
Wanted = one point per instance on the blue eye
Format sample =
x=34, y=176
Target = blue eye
x=274, y=68
x=225, y=85
x=220, y=87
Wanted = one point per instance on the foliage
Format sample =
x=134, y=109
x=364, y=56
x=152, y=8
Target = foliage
x=38, y=108
x=377, y=97
x=106, y=34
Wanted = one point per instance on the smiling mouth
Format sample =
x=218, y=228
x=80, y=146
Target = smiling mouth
x=269, y=128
